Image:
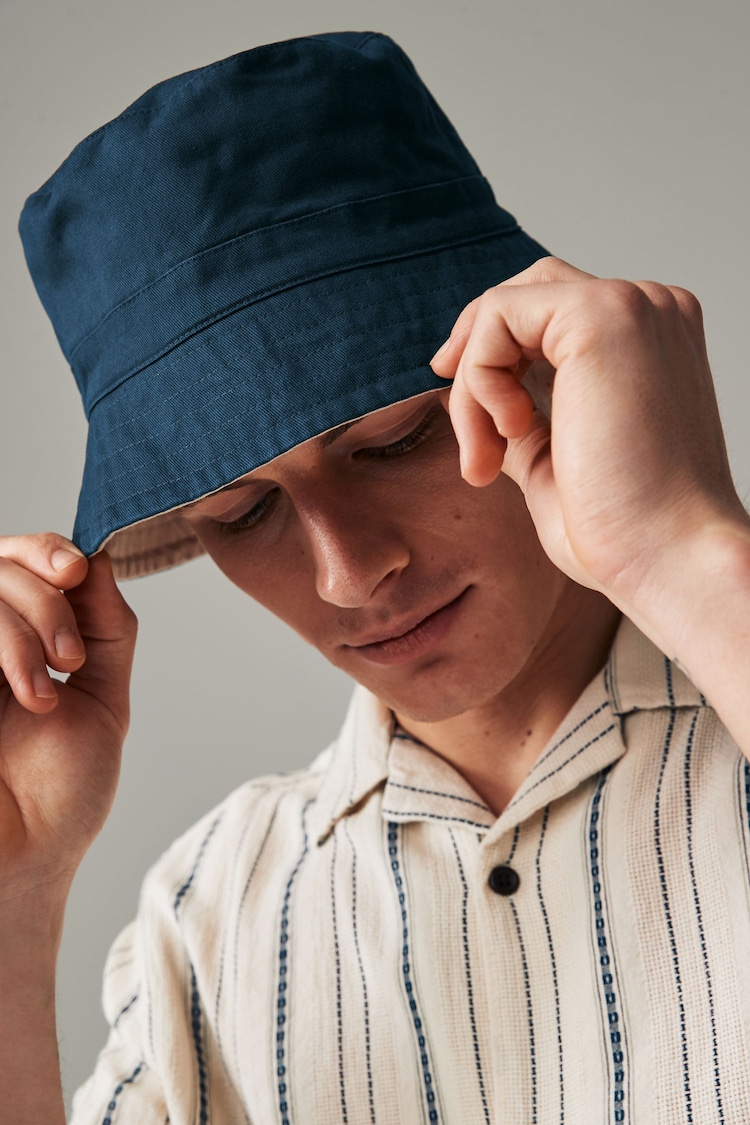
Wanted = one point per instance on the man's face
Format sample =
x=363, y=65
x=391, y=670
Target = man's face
x=370, y=545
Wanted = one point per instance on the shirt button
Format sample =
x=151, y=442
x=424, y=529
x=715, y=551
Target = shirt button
x=504, y=880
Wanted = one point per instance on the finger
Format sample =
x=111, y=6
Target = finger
x=446, y=358
x=41, y=607
x=481, y=447
x=544, y=271
x=108, y=627
x=492, y=367
x=48, y=555
x=23, y=664
x=528, y=458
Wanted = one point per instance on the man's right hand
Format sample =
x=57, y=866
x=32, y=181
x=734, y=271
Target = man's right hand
x=60, y=745
x=60, y=742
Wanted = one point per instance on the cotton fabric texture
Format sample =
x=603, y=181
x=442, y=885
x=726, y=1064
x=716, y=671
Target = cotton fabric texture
x=325, y=946
x=251, y=254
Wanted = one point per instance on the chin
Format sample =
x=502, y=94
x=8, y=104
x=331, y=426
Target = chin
x=441, y=695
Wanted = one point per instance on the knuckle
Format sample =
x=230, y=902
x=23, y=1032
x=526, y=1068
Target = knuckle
x=625, y=298
x=688, y=304
x=16, y=638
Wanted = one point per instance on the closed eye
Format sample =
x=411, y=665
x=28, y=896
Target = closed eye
x=249, y=518
x=404, y=444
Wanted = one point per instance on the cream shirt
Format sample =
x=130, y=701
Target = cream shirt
x=327, y=946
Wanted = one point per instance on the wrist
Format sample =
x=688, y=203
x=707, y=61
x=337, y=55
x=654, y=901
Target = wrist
x=32, y=914
x=695, y=589
x=695, y=605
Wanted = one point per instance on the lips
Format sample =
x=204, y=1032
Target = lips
x=410, y=638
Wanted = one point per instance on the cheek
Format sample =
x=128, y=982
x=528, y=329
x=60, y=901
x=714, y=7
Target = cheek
x=276, y=575
x=280, y=580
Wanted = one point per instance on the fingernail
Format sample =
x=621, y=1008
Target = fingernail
x=441, y=350
x=63, y=558
x=43, y=686
x=68, y=645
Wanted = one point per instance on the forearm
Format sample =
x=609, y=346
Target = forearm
x=30, y=1085
x=696, y=608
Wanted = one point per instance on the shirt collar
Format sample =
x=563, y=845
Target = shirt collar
x=371, y=755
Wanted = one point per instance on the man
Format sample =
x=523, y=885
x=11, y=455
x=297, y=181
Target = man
x=516, y=889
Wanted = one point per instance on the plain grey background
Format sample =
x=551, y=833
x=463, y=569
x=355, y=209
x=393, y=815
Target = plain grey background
x=616, y=132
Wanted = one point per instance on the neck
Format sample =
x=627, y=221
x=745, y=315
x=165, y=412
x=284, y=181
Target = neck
x=495, y=744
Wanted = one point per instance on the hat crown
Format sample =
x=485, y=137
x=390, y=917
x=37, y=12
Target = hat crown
x=267, y=136
x=249, y=255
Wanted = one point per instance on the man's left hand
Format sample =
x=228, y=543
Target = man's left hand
x=627, y=481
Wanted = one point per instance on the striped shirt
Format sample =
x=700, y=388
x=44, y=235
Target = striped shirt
x=364, y=943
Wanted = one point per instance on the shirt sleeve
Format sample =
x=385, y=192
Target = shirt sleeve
x=124, y=1086
x=172, y=1052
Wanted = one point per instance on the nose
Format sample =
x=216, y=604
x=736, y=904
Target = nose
x=356, y=550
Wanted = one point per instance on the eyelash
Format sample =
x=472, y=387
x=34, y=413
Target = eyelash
x=394, y=449
x=404, y=444
x=249, y=519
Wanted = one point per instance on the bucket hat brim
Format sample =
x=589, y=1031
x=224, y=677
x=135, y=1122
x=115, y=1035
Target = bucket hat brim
x=229, y=399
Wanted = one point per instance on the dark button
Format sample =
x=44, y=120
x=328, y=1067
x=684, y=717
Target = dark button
x=504, y=880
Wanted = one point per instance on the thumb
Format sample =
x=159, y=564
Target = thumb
x=108, y=629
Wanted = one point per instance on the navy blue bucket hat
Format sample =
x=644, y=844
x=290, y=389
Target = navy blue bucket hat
x=251, y=254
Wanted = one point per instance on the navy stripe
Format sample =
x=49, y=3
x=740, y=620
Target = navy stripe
x=281, y=1057
x=665, y=895
x=529, y=1013
x=365, y=1000
x=201, y=850
x=553, y=961
x=434, y=816
x=592, y=715
x=337, y=955
x=112, y=1105
x=513, y=846
x=429, y=1090
x=607, y=969
x=125, y=1009
x=437, y=793
x=194, y=998
x=699, y=917
x=469, y=987
x=743, y=772
x=525, y=792
x=196, y=1020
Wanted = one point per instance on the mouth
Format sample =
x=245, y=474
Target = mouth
x=406, y=641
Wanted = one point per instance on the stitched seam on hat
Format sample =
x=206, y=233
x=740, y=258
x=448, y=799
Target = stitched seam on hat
x=267, y=367
x=184, y=356
x=85, y=528
x=222, y=247
x=247, y=302
x=227, y=394
x=238, y=306
x=295, y=298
